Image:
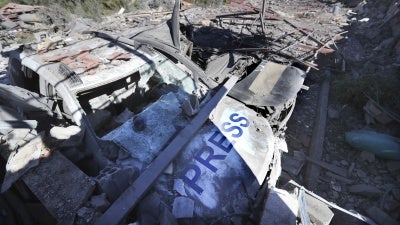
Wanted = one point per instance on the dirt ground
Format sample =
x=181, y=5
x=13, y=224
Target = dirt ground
x=371, y=181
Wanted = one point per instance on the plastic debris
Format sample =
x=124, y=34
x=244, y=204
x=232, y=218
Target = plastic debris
x=382, y=145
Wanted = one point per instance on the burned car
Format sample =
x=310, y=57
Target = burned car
x=147, y=135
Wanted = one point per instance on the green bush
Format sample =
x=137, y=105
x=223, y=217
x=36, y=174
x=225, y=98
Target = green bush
x=4, y=2
x=383, y=89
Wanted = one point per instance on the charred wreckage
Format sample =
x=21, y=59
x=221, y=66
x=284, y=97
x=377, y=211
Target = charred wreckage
x=125, y=129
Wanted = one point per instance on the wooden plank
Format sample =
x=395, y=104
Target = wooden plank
x=133, y=194
x=340, y=171
x=317, y=140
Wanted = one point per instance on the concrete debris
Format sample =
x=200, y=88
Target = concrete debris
x=99, y=202
x=114, y=180
x=319, y=212
x=85, y=215
x=21, y=161
x=380, y=216
x=179, y=186
x=365, y=190
x=64, y=133
x=280, y=208
x=183, y=207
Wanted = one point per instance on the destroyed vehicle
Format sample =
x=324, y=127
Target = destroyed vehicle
x=159, y=139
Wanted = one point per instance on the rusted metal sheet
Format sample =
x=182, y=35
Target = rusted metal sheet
x=11, y=10
x=82, y=62
x=322, y=50
x=67, y=53
x=119, y=56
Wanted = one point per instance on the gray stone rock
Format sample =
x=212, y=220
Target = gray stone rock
x=8, y=24
x=85, y=215
x=114, y=180
x=367, y=156
x=30, y=17
x=183, y=207
x=99, y=202
x=365, y=190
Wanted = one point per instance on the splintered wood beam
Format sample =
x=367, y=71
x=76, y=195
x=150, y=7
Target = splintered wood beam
x=133, y=194
x=317, y=140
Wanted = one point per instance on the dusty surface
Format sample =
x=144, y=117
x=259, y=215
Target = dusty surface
x=379, y=179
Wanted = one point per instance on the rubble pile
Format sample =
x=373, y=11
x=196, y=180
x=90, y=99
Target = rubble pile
x=374, y=45
x=353, y=178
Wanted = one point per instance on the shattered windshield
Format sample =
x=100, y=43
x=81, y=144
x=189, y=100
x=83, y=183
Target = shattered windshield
x=164, y=70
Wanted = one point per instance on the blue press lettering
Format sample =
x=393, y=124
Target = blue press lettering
x=192, y=181
x=220, y=142
x=210, y=156
x=241, y=118
x=232, y=129
x=204, y=156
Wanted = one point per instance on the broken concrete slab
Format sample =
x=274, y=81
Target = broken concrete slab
x=21, y=161
x=319, y=212
x=183, y=207
x=64, y=133
x=280, y=208
x=365, y=190
x=60, y=186
x=18, y=137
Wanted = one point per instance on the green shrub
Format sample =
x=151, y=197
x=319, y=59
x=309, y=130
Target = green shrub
x=383, y=89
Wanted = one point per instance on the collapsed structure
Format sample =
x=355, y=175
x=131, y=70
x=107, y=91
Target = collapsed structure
x=122, y=129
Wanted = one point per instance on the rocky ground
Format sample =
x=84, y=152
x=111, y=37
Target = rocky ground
x=370, y=49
